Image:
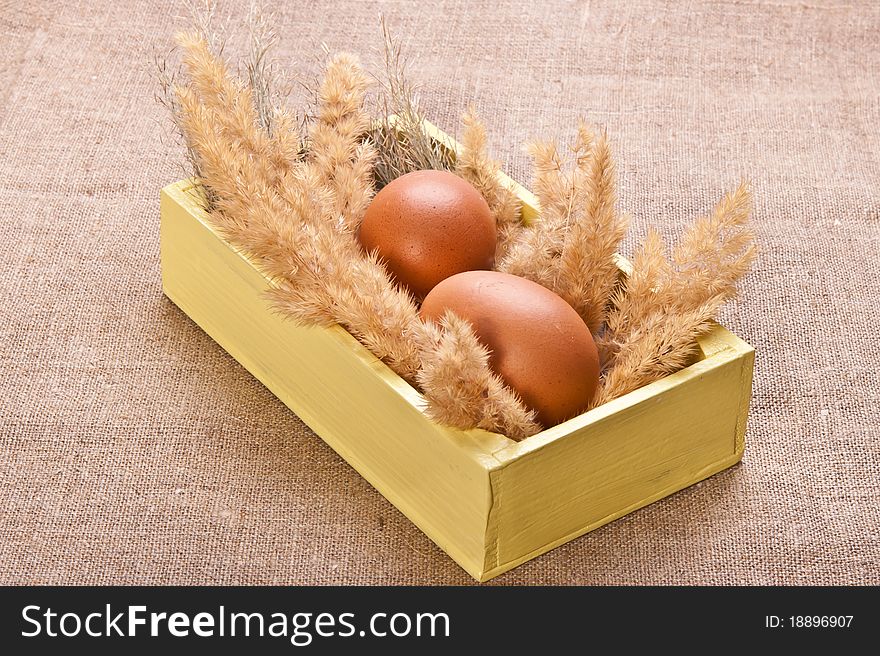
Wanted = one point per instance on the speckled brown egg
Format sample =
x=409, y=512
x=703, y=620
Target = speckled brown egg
x=427, y=226
x=539, y=345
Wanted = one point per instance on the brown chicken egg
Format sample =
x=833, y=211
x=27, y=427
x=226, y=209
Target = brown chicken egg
x=427, y=226
x=539, y=345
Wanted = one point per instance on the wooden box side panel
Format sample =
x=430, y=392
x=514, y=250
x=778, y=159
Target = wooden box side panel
x=435, y=479
x=627, y=459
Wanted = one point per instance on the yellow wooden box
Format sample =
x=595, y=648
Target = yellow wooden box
x=488, y=502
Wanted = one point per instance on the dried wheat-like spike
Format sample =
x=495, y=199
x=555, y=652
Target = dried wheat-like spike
x=717, y=250
x=664, y=344
x=535, y=252
x=290, y=228
x=235, y=110
x=217, y=163
x=222, y=93
x=391, y=333
x=474, y=165
x=647, y=289
x=285, y=141
x=552, y=186
x=712, y=255
x=208, y=74
x=341, y=97
x=463, y=392
x=571, y=249
x=583, y=146
x=337, y=149
x=665, y=305
x=587, y=272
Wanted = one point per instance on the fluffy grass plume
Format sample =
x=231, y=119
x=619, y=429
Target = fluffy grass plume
x=667, y=303
x=280, y=134
x=298, y=225
x=474, y=165
x=535, y=252
x=167, y=74
x=716, y=250
x=462, y=391
x=663, y=344
x=341, y=159
x=587, y=272
x=572, y=248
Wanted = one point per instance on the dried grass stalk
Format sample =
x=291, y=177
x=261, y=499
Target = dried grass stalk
x=587, y=272
x=298, y=228
x=167, y=73
x=261, y=69
x=665, y=305
x=461, y=389
x=716, y=250
x=534, y=253
x=648, y=288
x=278, y=143
x=341, y=159
x=571, y=249
x=474, y=165
x=663, y=344
x=403, y=145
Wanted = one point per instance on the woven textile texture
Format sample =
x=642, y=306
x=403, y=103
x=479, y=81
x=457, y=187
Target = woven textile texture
x=134, y=450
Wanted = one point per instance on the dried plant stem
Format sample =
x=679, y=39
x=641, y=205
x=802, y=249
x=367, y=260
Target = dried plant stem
x=474, y=165
x=260, y=67
x=587, y=272
x=534, y=253
x=662, y=345
x=571, y=249
x=461, y=389
x=298, y=228
x=337, y=150
x=403, y=145
x=647, y=288
x=665, y=305
x=716, y=250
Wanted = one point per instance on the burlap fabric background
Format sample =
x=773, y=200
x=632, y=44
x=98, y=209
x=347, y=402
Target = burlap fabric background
x=134, y=450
